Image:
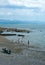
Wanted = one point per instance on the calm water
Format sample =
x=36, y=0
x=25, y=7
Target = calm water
x=36, y=37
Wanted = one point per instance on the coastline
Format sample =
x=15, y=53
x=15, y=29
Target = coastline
x=13, y=30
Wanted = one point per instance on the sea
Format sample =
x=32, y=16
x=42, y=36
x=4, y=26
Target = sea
x=36, y=37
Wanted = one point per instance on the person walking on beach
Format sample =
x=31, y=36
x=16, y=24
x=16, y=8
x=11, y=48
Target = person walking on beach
x=28, y=43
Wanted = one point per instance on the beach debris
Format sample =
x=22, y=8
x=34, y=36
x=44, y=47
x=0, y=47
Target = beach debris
x=7, y=51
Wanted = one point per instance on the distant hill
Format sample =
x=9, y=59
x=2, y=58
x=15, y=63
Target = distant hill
x=13, y=22
x=18, y=22
x=10, y=22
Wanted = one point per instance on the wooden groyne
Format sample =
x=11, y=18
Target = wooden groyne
x=20, y=35
x=7, y=34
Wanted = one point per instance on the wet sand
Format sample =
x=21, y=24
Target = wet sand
x=21, y=54
x=3, y=39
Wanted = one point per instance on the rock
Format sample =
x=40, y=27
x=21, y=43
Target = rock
x=7, y=51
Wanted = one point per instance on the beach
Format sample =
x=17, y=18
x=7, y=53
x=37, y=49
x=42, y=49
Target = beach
x=22, y=32
x=20, y=54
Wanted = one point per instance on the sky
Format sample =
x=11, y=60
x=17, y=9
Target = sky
x=24, y=10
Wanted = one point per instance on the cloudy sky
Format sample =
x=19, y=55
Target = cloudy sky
x=26, y=10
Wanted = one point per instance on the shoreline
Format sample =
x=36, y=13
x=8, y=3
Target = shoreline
x=4, y=42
